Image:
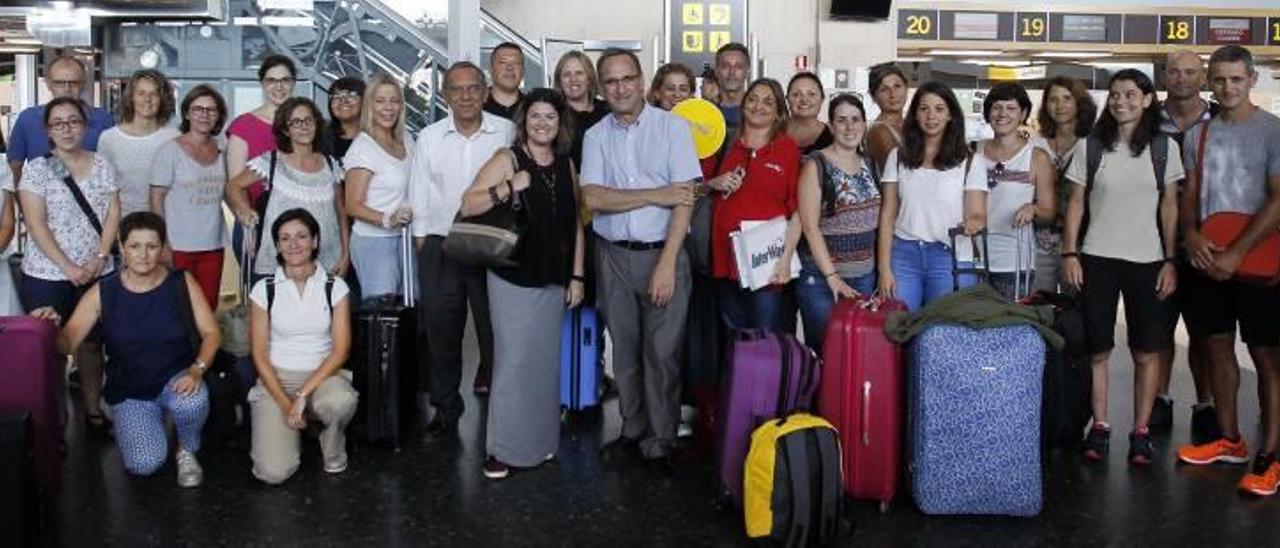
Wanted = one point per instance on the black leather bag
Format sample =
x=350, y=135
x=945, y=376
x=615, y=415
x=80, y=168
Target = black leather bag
x=698, y=243
x=490, y=239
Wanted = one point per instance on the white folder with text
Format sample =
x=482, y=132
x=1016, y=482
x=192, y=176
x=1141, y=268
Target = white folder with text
x=757, y=248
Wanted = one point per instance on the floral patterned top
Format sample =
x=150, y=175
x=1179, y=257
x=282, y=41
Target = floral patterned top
x=313, y=192
x=72, y=231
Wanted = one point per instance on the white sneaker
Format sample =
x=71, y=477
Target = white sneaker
x=336, y=464
x=189, y=472
x=684, y=430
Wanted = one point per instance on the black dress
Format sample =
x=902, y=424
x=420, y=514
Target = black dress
x=824, y=140
x=583, y=120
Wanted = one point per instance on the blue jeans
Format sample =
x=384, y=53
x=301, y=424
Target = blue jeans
x=923, y=271
x=377, y=262
x=745, y=309
x=816, y=299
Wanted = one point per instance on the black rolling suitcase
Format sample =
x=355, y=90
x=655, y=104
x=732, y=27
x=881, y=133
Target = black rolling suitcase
x=21, y=504
x=384, y=360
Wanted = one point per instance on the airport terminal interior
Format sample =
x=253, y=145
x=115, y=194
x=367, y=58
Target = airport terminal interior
x=431, y=491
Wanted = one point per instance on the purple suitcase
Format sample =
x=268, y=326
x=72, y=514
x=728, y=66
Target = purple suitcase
x=29, y=367
x=761, y=363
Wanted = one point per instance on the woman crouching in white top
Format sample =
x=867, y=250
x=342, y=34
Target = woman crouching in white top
x=300, y=330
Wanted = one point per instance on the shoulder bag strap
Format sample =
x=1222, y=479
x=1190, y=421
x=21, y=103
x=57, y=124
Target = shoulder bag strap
x=1159, y=158
x=1203, y=141
x=271, y=293
x=82, y=202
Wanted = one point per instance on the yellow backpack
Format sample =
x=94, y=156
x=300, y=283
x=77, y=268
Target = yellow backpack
x=791, y=481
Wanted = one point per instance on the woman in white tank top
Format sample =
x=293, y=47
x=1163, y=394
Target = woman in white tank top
x=1020, y=183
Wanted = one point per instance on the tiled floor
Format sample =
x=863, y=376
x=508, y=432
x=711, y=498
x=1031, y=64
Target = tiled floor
x=434, y=494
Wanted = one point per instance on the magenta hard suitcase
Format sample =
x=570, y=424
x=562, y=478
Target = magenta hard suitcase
x=29, y=369
x=769, y=375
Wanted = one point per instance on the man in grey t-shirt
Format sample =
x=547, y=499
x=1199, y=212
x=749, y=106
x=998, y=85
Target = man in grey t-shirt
x=1240, y=174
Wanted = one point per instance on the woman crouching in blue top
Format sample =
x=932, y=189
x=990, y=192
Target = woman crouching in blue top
x=160, y=336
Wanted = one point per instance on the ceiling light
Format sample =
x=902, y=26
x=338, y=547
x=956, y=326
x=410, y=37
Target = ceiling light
x=964, y=52
x=1073, y=54
x=996, y=62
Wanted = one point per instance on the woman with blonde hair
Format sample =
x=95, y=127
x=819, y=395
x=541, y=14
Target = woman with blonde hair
x=576, y=80
x=377, y=184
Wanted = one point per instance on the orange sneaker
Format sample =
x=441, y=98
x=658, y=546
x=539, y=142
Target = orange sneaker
x=1263, y=479
x=1219, y=450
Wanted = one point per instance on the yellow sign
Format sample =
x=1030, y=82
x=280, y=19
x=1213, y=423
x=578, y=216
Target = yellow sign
x=691, y=41
x=719, y=14
x=717, y=38
x=692, y=14
x=705, y=122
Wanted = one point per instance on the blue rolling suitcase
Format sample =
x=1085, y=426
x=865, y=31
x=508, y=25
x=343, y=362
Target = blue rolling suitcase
x=580, y=359
x=974, y=401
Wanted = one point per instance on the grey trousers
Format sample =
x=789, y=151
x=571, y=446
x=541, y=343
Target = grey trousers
x=647, y=343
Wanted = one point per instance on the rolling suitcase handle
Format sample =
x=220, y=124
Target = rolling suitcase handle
x=979, y=256
x=1024, y=241
x=407, y=278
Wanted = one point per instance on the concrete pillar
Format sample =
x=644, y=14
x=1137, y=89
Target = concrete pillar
x=464, y=30
x=26, y=77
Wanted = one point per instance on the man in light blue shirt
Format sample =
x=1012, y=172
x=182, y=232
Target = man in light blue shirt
x=65, y=76
x=639, y=167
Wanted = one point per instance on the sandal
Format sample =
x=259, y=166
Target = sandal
x=98, y=425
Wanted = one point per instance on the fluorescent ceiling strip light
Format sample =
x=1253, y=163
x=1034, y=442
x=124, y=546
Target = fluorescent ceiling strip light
x=964, y=52
x=1072, y=54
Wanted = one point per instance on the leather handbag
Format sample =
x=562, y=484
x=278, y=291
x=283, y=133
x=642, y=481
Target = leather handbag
x=234, y=322
x=490, y=239
x=1261, y=264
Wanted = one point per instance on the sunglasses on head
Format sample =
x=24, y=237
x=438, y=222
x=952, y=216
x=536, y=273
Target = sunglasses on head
x=994, y=174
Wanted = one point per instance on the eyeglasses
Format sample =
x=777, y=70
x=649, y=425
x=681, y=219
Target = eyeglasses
x=64, y=125
x=203, y=112
x=627, y=80
x=273, y=82
x=994, y=175
x=472, y=89
x=297, y=123
x=345, y=97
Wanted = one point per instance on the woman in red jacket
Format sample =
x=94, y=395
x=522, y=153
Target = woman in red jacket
x=756, y=181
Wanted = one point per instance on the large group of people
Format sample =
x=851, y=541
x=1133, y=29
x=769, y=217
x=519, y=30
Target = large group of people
x=1103, y=207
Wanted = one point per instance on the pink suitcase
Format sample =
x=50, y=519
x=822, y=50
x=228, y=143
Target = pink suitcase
x=29, y=369
x=862, y=396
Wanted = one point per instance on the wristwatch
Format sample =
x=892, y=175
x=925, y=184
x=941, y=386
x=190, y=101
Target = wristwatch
x=201, y=366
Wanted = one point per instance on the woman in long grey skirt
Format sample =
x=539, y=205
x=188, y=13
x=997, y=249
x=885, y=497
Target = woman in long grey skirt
x=528, y=301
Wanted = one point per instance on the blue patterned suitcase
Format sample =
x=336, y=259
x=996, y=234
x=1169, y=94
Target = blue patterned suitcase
x=974, y=433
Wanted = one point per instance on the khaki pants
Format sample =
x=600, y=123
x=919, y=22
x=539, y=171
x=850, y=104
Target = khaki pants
x=276, y=450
